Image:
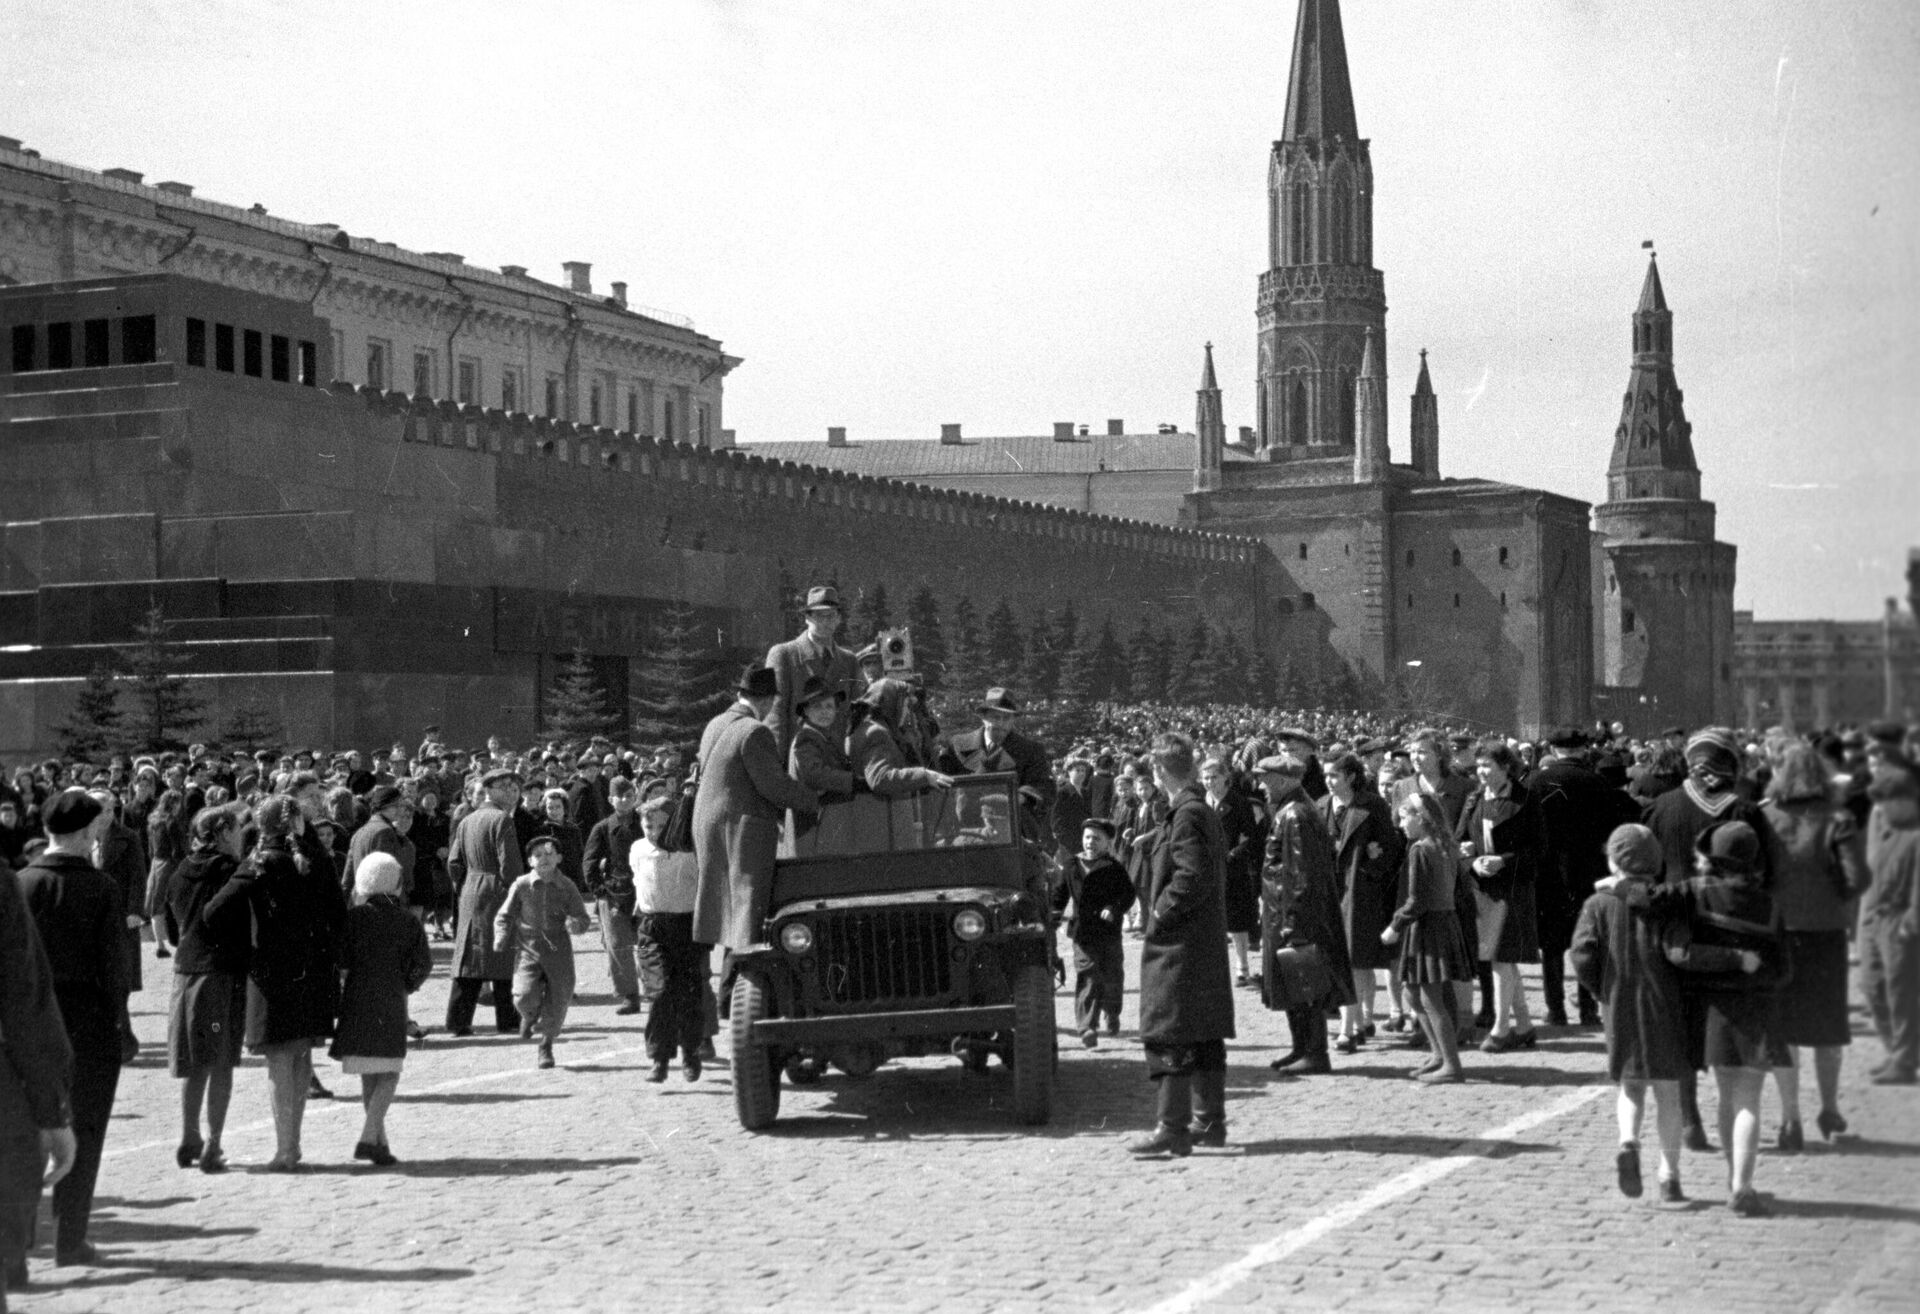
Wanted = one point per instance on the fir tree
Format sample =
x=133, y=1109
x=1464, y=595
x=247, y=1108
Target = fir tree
x=577, y=707
x=1110, y=675
x=965, y=674
x=1005, y=645
x=1078, y=708
x=1230, y=669
x=929, y=638
x=1066, y=630
x=166, y=708
x=1146, y=664
x=678, y=682
x=1191, y=673
x=252, y=726
x=1264, y=680
x=1291, y=688
x=1040, y=671
x=871, y=614
x=92, y=731
x=793, y=602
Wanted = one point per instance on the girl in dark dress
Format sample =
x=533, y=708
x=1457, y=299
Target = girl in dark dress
x=385, y=957
x=1433, y=954
x=205, y=920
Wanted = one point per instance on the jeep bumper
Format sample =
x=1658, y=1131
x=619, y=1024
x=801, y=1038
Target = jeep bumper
x=871, y=1026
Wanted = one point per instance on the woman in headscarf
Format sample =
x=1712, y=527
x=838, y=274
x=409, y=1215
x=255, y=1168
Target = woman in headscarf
x=886, y=756
x=205, y=920
x=385, y=957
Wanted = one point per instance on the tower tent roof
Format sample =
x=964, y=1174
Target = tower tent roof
x=1208, y=383
x=1423, y=386
x=1652, y=295
x=1319, y=92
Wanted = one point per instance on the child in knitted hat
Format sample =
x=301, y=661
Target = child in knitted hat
x=1618, y=956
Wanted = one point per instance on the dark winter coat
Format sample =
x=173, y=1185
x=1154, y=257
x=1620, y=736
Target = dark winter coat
x=386, y=958
x=293, y=979
x=1245, y=829
x=1618, y=956
x=1369, y=878
x=1186, y=986
x=1300, y=893
x=484, y=859
x=1677, y=817
x=378, y=836
x=207, y=917
x=1578, y=811
x=743, y=795
x=1095, y=887
x=1506, y=900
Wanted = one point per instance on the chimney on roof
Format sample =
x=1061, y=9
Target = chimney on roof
x=9, y=143
x=514, y=271
x=579, y=275
x=1085, y=431
x=836, y=436
x=1063, y=431
x=1246, y=436
x=1115, y=428
x=950, y=435
x=620, y=295
x=124, y=175
x=177, y=188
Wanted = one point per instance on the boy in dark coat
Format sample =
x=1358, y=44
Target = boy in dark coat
x=1101, y=895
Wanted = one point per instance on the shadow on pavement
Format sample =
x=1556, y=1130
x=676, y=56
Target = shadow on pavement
x=500, y=1167
x=111, y=1231
x=1432, y=1147
x=125, y=1271
x=1864, y=1213
x=476, y=1097
x=1882, y=1149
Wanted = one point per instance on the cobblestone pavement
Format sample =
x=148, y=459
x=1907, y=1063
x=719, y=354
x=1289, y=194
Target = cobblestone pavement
x=587, y=1188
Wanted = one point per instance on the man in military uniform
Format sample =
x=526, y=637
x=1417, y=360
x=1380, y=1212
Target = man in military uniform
x=484, y=859
x=1300, y=912
x=814, y=653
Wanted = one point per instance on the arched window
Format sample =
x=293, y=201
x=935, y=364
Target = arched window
x=1299, y=224
x=1297, y=412
x=1348, y=420
x=1340, y=247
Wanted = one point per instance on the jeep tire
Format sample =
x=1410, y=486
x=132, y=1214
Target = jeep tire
x=756, y=1069
x=1033, y=1047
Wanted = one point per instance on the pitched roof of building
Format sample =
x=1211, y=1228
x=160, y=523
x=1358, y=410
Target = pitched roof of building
x=1030, y=455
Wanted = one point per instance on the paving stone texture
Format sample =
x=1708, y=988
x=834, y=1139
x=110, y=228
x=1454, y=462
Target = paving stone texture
x=585, y=1188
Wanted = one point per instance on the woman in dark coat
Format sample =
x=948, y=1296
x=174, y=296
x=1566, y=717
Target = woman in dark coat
x=1186, y=992
x=888, y=760
x=1618, y=956
x=1818, y=863
x=1245, y=836
x=205, y=919
x=1501, y=841
x=1366, y=853
x=166, y=846
x=385, y=957
x=430, y=892
x=293, y=987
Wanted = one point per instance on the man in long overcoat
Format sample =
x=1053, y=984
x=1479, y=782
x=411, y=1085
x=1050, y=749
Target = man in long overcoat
x=1300, y=896
x=815, y=653
x=1579, y=810
x=999, y=745
x=483, y=861
x=1186, y=991
x=738, y=809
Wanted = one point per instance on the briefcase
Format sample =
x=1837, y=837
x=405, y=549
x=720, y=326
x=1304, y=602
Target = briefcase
x=1301, y=978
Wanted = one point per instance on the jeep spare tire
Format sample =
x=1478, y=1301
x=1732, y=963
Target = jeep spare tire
x=756, y=1071
x=1032, y=1044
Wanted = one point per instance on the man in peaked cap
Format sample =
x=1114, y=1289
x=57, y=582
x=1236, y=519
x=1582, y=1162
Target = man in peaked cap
x=816, y=652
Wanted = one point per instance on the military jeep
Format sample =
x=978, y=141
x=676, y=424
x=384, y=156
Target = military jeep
x=933, y=939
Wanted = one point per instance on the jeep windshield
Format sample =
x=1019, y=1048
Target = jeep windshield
x=977, y=813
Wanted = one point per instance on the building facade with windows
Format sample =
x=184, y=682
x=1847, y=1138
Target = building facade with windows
x=424, y=323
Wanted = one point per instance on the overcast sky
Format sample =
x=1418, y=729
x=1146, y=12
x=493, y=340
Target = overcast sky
x=1007, y=214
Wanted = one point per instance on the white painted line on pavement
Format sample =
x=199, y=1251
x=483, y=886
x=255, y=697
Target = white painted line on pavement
x=346, y=1103
x=1225, y=1278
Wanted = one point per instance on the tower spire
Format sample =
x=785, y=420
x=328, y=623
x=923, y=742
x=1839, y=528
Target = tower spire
x=1209, y=430
x=1425, y=429
x=1371, y=459
x=1653, y=445
x=1319, y=92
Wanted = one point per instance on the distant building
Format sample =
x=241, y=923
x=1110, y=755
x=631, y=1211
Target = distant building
x=423, y=323
x=1818, y=674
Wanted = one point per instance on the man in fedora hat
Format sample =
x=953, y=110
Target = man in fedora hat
x=817, y=653
x=738, y=808
x=998, y=746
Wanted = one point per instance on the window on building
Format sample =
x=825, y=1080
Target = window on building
x=252, y=353
x=509, y=389
x=1349, y=432
x=423, y=374
x=1627, y=620
x=1299, y=225
x=705, y=435
x=1306, y=602
x=93, y=343
x=139, y=340
x=1409, y=556
x=672, y=433
x=1341, y=245
x=309, y=364
x=1297, y=412
x=1303, y=552
x=377, y=355
x=1503, y=556
x=1409, y=602
x=1503, y=600
x=23, y=343
x=467, y=387
x=280, y=359
x=1456, y=599
x=223, y=352
x=197, y=342
x=594, y=400
x=553, y=396
x=60, y=346
x=1456, y=556
x=633, y=410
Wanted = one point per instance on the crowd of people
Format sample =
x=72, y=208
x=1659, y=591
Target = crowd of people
x=1709, y=891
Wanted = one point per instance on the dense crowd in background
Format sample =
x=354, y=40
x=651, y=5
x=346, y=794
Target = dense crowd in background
x=297, y=892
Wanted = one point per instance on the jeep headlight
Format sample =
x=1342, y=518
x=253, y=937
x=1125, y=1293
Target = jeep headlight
x=796, y=937
x=969, y=923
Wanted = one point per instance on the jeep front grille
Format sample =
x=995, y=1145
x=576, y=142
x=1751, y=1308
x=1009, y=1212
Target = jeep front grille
x=881, y=955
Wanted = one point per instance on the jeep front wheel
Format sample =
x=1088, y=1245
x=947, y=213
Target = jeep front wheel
x=1032, y=1049
x=756, y=1074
